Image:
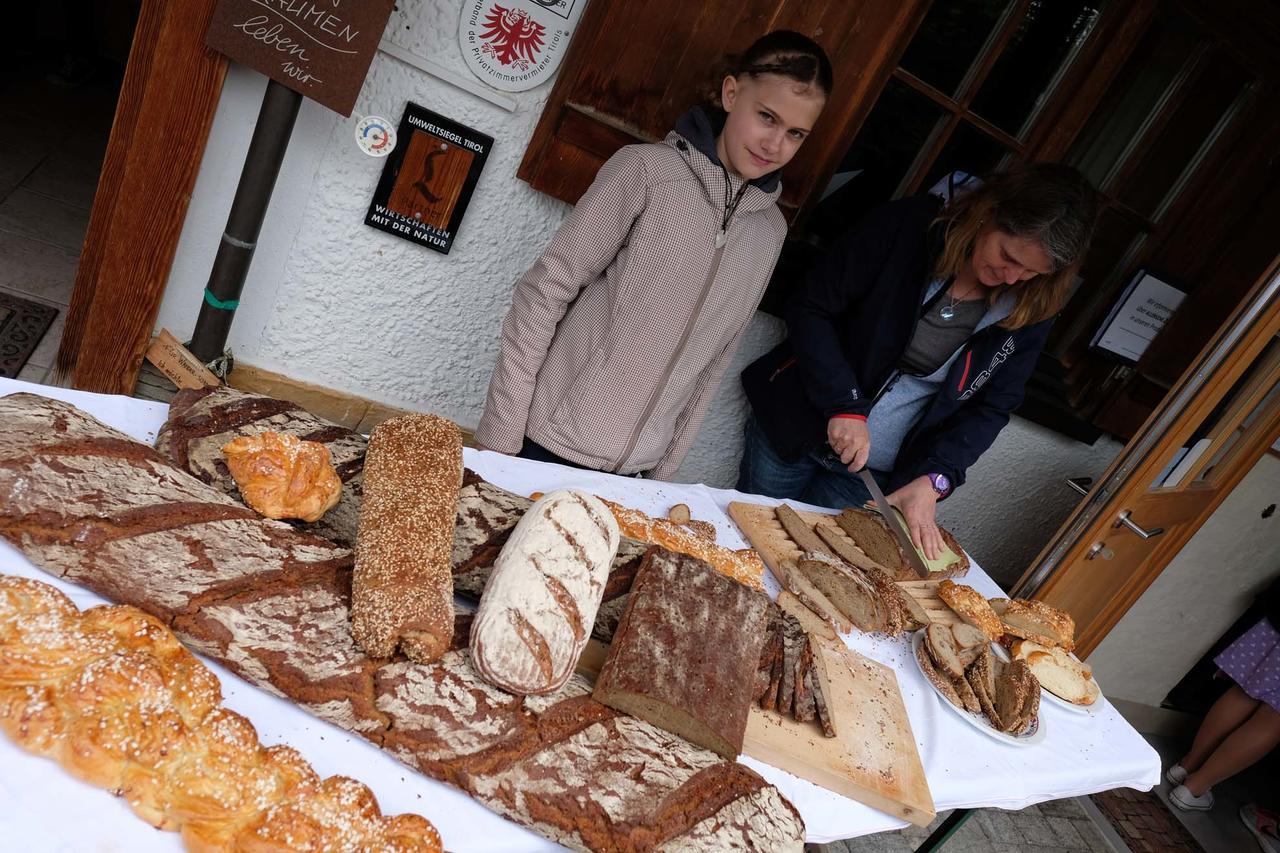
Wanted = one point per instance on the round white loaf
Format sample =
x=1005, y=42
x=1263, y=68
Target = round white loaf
x=536, y=613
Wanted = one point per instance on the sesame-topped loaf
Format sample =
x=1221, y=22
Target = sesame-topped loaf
x=686, y=652
x=402, y=591
x=201, y=421
x=279, y=616
x=112, y=696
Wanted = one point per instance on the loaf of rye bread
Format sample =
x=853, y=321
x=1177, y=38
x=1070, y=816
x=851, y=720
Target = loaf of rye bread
x=201, y=421
x=88, y=504
x=685, y=655
x=402, y=591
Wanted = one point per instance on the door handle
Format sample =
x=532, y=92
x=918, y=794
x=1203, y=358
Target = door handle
x=1080, y=484
x=1124, y=520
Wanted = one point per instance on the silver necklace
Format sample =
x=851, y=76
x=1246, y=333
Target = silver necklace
x=948, y=311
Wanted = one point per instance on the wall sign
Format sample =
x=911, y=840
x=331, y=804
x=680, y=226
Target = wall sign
x=1139, y=314
x=318, y=48
x=428, y=180
x=514, y=45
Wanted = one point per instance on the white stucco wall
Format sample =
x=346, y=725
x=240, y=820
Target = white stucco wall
x=334, y=302
x=1198, y=596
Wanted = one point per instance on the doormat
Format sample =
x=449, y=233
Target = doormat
x=1144, y=822
x=22, y=325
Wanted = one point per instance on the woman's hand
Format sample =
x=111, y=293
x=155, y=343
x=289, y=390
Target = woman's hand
x=851, y=441
x=918, y=503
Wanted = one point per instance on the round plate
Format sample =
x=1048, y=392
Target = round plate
x=1033, y=735
x=1055, y=699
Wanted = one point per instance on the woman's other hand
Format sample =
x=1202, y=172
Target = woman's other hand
x=851, y=441
x=918, y=503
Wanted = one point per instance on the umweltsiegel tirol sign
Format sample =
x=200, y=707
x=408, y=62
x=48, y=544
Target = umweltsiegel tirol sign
x=514, y=45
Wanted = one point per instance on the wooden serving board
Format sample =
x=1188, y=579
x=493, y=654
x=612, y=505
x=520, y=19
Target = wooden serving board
x=763, y=530
x=873, y=759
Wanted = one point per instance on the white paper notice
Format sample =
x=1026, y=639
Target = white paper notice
x=1140, y=318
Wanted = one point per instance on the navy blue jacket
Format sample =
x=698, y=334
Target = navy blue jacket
x=849, y=324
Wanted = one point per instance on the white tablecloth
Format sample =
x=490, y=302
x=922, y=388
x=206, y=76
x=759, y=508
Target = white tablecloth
x=1079, y=755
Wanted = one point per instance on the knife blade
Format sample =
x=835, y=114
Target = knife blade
x=896, y=527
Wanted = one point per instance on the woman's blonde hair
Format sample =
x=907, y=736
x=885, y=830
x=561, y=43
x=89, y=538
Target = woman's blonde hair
x=1050, y=203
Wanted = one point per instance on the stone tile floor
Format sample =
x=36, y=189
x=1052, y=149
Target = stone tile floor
x=1065, y=826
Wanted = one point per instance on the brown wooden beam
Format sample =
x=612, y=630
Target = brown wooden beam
x=171, y=88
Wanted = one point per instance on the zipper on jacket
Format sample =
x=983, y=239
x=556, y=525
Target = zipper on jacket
x=673, y=361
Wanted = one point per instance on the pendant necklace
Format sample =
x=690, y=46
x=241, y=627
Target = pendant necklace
x=948, y=311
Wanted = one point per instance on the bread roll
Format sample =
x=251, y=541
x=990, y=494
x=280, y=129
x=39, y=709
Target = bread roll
x=537, y=610
x=402, y=590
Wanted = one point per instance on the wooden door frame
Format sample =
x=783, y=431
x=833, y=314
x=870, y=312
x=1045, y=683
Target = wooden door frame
x=171, y=88
x=1260, y=312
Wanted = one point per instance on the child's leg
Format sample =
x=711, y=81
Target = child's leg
x=1231, y=709
x=1247, y=744
x=764, y=472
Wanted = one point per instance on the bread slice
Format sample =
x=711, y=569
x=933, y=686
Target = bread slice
x=980, y=678
x=937, y=679
x=799, y=530
x=842, y=546
x=1034, y=619
x=972, y=607
x=942, y=648
x=969, y=642
x=822, y=689
x=868, y=597
x=967, y=696
x=800, y=586
x=869, y=532
x=806, y=615
x=804, y=707
x=1015, y=697
x=1058, y=672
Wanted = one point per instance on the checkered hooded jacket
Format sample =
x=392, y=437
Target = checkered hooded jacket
x=620, y=333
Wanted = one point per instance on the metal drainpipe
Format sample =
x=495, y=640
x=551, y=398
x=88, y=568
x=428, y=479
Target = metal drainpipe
x=253, y=194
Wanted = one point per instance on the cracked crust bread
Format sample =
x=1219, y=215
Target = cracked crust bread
x=1039, y=622
x=971, y=606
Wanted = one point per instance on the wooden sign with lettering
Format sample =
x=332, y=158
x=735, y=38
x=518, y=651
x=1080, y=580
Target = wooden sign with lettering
x=319, y=48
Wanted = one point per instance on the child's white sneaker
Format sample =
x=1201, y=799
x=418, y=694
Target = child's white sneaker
x=1176, y=775
x=1189, y=802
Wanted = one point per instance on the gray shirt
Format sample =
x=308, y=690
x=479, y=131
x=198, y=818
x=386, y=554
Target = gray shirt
x=898, y=409
x=935, y=339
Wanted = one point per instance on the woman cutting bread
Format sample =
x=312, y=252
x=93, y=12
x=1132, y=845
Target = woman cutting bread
x=620, y=333
x=910, y=344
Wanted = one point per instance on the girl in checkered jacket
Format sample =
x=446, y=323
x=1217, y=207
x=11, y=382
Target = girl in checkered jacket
x=619, y=335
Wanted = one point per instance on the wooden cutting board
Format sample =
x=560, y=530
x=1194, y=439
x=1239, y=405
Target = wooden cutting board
x=873, y=759
x=763, y=530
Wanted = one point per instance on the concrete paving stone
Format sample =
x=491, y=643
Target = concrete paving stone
x=1092, y=837
x=1035, y=829
x=1069, y=808
x=999, y=825
x=1065, y=831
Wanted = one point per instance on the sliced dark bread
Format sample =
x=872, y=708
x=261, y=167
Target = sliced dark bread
x=937, y=679
x=806, y=614
x=942, y=648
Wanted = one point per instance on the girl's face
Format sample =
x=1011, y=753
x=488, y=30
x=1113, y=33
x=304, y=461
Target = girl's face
x=1001, y=258
x=769, y=116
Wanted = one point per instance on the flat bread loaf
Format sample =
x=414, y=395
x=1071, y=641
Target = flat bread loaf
x=538, y=607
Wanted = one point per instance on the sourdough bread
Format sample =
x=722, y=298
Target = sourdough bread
x=538, y=608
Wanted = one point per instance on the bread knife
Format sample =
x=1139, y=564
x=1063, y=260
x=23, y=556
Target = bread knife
x=896, y=527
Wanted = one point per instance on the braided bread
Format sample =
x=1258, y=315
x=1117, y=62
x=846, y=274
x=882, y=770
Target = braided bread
x=112, y=696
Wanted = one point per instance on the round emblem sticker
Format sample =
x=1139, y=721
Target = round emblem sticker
x=375, y=136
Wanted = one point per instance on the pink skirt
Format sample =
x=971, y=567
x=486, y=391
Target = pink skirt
x=1253, y=662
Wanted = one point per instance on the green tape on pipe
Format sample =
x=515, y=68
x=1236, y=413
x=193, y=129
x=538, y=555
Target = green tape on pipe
x=229, y=305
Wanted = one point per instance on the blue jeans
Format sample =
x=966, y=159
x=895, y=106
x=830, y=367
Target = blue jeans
x=818, y=478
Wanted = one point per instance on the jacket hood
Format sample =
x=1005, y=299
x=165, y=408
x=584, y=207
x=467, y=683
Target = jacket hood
x=694, y=137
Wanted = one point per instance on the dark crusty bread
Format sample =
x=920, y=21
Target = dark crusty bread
x=88, y=504
x=870, y=532
x=793, y=641
x=936, y=678
x=202, y=420
x=867, y=597
x=685, y=654
x=402, y=592
x=942, y=648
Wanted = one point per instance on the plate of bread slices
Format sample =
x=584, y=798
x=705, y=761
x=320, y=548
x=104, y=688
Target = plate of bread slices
x=998, y=697
x=1039, y=634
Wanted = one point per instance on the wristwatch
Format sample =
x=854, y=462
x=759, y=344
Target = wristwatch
x=941, y=484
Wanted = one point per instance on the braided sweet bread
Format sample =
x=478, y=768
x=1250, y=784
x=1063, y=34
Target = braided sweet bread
x=112, y=696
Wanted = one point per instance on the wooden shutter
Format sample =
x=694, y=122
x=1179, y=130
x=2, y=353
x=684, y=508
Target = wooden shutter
x=633, y=68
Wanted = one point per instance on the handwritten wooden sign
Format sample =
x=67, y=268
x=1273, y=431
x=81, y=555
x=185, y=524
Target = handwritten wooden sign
x=318, y=48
